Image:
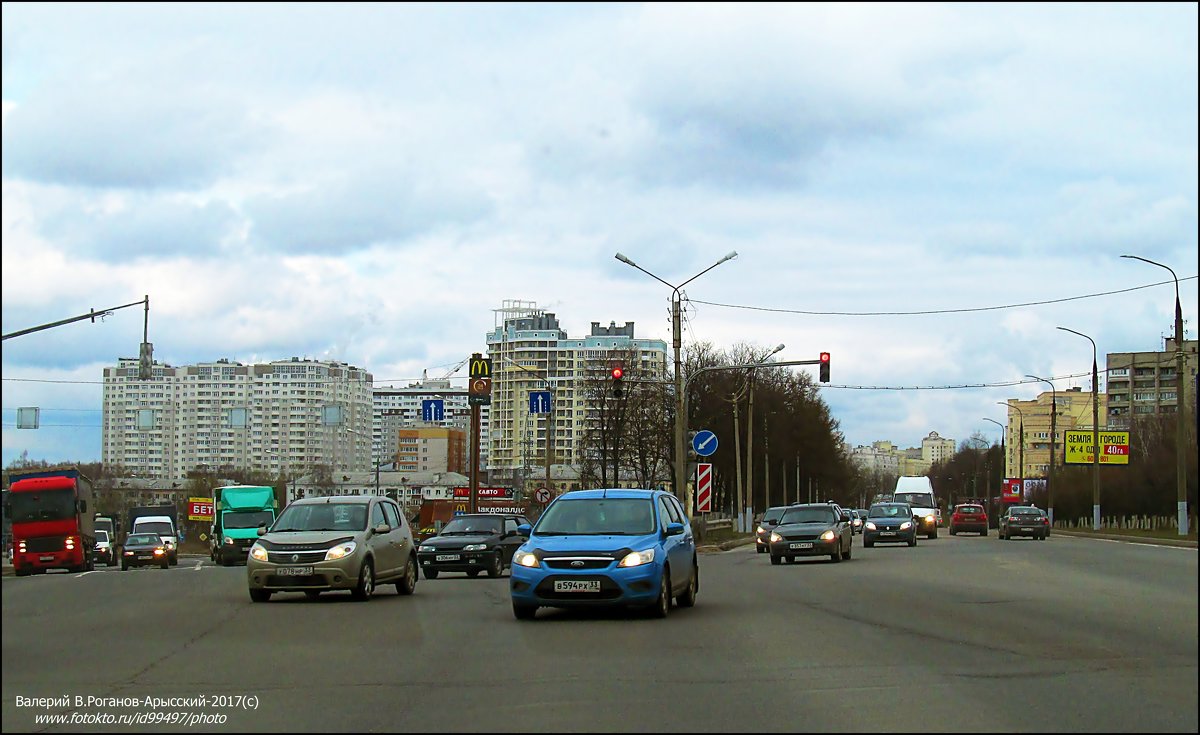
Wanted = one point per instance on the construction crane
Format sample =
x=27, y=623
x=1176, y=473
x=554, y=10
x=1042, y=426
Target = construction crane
x=451, y=371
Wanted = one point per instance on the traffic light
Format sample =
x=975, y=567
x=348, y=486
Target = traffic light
x=824, y=367
x=146, y=362
x=618, y=374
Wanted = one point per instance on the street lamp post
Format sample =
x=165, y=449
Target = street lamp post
x=1180, y=404
x=1003, y=431
x=677, y=342
x=1021, y=434
x=1053, y=429
x=1095, y=433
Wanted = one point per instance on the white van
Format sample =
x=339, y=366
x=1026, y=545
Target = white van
x=918, y=492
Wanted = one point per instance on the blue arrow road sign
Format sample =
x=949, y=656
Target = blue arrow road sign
x=539, y=401
x=432, y=409
x=704, y=443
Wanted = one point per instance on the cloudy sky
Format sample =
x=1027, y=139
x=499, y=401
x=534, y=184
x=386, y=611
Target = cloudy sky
x=369, y=183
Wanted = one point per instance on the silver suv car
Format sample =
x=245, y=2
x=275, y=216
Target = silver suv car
x=351, y=542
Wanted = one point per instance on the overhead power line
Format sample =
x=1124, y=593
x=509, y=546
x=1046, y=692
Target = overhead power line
x=937, y=311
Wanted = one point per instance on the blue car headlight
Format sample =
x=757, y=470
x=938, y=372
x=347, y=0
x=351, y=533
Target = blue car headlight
x=637, y=558
x=526, y=559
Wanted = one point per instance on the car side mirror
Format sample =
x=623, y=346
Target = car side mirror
x=262, y=530
x=524, y=529
x=382, y=528
x=674, y=529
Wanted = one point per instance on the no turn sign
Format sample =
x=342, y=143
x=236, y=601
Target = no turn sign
x=542, y=495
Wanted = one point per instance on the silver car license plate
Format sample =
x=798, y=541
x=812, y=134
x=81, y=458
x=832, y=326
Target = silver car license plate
x=294, y=571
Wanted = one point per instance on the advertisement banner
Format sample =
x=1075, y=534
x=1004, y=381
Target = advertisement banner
x=1012, y=490
x=1114, y=447
x=200, y=509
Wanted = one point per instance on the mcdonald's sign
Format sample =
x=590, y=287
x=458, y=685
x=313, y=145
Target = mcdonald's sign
x=481, y=367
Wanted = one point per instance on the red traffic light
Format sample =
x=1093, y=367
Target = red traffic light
x=824, y=357
x=617, y=373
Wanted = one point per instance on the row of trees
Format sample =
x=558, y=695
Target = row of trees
x=796, y=443
x=1145, y=487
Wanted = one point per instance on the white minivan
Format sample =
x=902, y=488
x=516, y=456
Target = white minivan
x=918, y=492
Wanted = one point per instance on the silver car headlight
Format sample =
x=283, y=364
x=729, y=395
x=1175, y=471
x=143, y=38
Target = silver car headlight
x=258, y=553
x=827, y=536
x=905, y=526
x=475, y=547
x=525, y=559
x=637, y=558
x=427, y=549
x=871, y=526
x=341, y=551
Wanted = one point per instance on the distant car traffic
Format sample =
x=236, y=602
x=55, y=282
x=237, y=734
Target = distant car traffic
x=1024, y=520
x=625, y=547
x=858, y=519
x=144, y=550
x=763, y=530
x=472, y=543
x=890, y=523
x=969, y=517
x=349, y=542
x=812, y=529
x=104, y=551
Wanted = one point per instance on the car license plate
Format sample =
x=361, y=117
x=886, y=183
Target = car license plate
x=295, y=571
x=887, y=533
x=803, y=545
x=46, y=558
x=144, y=556
x=447, y=557
x=576, y=585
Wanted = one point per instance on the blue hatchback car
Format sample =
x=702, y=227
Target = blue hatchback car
x=607, y=547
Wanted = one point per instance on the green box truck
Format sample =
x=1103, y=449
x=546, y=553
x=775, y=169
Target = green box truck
x=238, y=511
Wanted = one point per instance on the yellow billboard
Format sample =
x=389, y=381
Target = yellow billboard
x=1114, y=447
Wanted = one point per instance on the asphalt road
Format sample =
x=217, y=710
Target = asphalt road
x=958, y=634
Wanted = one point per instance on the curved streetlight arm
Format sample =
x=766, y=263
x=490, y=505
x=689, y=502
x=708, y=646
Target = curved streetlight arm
x=1160, y=265
x=997, y=423
x=1081, y=334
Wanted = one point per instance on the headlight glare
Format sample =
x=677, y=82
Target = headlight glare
x=258, y=553
x=905, y=526
x=525, y=559
x=775, y=537
x=871, y=526
x=637, y=558
x=341, y=551
x=761, y=530
x=827, y=536
x=228, y=541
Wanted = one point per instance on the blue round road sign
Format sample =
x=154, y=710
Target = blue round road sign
x=704, y=443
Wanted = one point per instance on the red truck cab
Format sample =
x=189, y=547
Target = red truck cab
x=52, y=527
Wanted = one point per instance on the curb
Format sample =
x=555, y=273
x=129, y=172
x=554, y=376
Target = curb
x=725, y=545
x=1183, y=543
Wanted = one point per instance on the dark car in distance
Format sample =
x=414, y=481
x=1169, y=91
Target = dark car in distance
x=812, y=529
x=890, y=523
x=969, y=517
x=144, y=550
x=1024, y=520
x=762, y=531
x=472, y=543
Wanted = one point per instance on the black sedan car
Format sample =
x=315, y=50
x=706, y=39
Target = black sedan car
x=144, y=550
x=1024, y=520
x=890, y=523
x=472, y=543
x=762, y=532
x=812, y=529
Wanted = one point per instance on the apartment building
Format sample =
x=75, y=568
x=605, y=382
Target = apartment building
x=284, y=417
x=531, y=352
x=396, y=409
x=432, y=449
x=1147, y=383
x=1074, y=407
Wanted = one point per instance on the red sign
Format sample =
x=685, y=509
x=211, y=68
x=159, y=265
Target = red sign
x=1012, y=489
x=542, y=495
x=495, y=493
x=703, y=487
x=200, y=509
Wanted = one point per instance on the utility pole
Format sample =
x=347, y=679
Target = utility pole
x=737, y=454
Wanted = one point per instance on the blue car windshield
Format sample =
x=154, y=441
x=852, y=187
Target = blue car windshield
x=598, y=517
x=807, y=515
